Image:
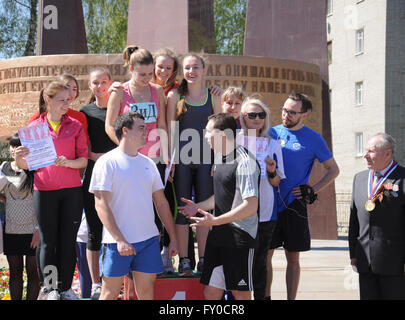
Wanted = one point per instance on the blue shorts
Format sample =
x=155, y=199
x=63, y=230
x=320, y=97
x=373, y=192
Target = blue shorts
x=146, y=260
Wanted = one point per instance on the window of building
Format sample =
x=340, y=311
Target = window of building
x=330, y=97
x=329, y=7
x=359, y=93
x=359, y=144
x=330, y=52
x=359, y=41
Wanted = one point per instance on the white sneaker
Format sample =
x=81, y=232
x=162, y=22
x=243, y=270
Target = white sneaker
x=167, y=262
x=53, y=295
x=95, y=291
x=68, y=295
x=43, y=294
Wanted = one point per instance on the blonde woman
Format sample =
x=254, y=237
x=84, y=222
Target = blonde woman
x=231, y=100
x=255, y=121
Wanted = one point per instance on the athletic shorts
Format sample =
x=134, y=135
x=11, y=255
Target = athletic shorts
x=147, y=259
x=228, y=268
x=292, y=228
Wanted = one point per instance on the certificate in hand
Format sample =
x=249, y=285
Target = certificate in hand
x=38, y=140
x=258, y=146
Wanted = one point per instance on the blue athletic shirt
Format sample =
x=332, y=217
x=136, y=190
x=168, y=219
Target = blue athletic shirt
x=300, y=148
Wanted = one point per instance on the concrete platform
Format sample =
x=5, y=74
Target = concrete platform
x=325, y=273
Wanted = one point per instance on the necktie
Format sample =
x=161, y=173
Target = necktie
x=377, y=176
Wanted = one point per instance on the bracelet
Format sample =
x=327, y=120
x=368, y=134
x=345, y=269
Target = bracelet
x=271, y=175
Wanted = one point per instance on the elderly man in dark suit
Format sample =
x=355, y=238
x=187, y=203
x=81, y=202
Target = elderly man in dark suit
x=377, y=222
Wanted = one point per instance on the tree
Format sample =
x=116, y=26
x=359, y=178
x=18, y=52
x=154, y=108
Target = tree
x=230, y=18
x=18, y=25
x=106, y=25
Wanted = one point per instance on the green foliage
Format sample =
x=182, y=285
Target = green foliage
x=106, y=25
x=15, y=27
x=4, y=152
x=230, y=17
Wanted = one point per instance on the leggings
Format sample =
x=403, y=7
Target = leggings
x=170, y=196
x=59, y=216
x=16, y=282
x=189, y=177
x=94, y=225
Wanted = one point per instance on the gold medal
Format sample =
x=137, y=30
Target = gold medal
x=370, y=205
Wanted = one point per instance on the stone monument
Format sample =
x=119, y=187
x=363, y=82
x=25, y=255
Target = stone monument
x=296, y=29
x=61, y=27
x=162, y=25
x=21, y=79
x=183, y=25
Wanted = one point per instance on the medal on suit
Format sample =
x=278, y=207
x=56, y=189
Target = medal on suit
x=372, y=190
x=370, y=205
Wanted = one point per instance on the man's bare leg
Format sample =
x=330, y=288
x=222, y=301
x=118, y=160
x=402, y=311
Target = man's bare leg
x=111, y=287
x=292, y=274
x=144, y=285
x=242, y=295
x=213, y=293
x=93, y=262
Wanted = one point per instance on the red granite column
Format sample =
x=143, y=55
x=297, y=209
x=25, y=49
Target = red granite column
x=296, y=29
x=61, y=27
x=182, y=25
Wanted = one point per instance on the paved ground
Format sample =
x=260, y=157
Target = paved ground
x=325, y=273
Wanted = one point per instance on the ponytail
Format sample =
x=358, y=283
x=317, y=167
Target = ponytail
x=181, y=104
x=42, y=102
x=133, y=55
x=126, y=54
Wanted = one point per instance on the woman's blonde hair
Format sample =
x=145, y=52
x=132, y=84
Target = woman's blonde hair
x=233, y=91
x=183, y=87
x=64, y=79
x=51, y=90
x=166, y=52
x=134, y=55
x=254, y=100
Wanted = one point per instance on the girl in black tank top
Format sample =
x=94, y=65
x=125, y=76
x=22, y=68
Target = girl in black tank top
x=193, y=170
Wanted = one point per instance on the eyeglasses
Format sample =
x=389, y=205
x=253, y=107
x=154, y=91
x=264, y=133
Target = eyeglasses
x=254, y=115
x=290, y=112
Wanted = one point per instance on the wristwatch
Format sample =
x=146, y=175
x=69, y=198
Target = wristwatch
x=271, y=175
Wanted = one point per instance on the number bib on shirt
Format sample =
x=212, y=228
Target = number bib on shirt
x=147, y=109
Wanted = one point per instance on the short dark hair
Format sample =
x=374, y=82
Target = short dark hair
x=126, y=120
x=306, y=103
x=14, y=140
x=224, y=122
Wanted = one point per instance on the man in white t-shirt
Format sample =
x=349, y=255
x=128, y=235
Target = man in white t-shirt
x=126, y=184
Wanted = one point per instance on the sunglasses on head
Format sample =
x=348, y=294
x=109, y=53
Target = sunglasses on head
x=254, y=115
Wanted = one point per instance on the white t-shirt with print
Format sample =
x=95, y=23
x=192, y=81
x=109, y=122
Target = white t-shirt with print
x=131, y=181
